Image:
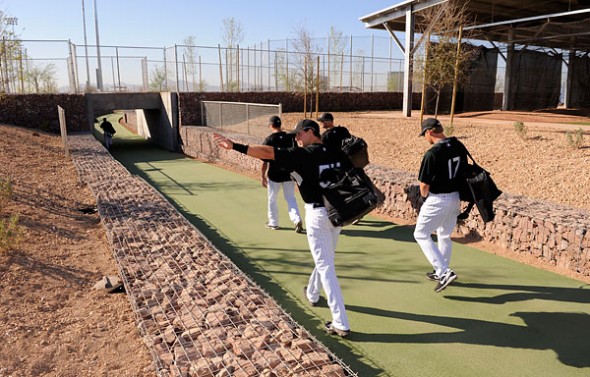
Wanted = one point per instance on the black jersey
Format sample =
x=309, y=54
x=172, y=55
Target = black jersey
x=278, y=140
x=332, y=138
x=107, y=127
x=306, y=165
x=443, y=166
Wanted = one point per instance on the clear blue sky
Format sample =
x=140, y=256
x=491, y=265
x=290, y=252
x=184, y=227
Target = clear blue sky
x=161, y=23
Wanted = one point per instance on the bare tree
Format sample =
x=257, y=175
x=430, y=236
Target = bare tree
x=337, y=46
x=305, y=53
x=42, y=78
x=10, y=54
x=286, y=77
x=233, y=35
x=190, y=57
x=158, y=79
x=358, y=69
x=444, y=61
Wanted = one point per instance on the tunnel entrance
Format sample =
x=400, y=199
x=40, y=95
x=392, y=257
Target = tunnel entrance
x=156, y=113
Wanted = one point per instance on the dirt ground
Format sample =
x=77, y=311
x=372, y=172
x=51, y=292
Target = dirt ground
x=52, y=321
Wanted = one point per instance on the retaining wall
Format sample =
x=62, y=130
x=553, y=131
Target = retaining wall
x=39, y=111
x=554, y=234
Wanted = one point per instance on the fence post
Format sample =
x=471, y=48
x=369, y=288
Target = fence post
x=176, y=65
x=220, y=67
x=317, y=89
x=63, y=129
x=350, y=61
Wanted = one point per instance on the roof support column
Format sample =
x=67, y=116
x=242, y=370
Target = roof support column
x=567, y=96
x=507, y=97
x=408, y=62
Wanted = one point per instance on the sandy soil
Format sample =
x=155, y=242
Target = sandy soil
x=52, y=321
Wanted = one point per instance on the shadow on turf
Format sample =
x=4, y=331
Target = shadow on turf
x=565, y=333
x=524, y=293
x=380, y=229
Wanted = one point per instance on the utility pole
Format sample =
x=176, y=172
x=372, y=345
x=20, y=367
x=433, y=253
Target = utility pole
x=99, y=70
x=86, y=48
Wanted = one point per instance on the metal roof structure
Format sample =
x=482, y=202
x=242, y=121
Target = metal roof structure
x=553, y=24
x=561, y=24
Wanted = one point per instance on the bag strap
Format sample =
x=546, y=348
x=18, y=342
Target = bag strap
x=471, y=157
x=463, y=215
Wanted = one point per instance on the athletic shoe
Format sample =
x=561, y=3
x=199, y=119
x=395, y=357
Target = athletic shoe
x=308, y=300
x=432, y=276
x=299, y=227
x=334, y=331
x=447, y=278
x=273, y=227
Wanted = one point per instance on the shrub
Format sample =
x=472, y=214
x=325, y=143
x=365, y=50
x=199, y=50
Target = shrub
x=576, y=139
x=449, y=130
x=520, y=129
x=5, y=191
x=10, y=233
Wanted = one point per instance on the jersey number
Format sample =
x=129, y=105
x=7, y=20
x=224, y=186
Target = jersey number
x=454, y=166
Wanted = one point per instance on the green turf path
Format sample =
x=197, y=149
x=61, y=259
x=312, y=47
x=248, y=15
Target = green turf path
x=500, y=318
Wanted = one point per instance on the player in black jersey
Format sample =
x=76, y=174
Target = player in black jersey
x=306, y=162
x=273, y=177
x=333, y=135
x=441, y=173
x=109, y=131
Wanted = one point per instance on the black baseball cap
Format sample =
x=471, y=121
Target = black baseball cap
x=306, y=124
x=429, y=124
x=326, y=116
x=275, y=121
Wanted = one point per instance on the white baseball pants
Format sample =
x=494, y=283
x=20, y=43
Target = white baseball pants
x=322, y=237
x=273, y=189
x=438, y=213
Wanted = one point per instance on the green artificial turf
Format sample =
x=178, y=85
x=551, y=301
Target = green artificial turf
x=500, y=318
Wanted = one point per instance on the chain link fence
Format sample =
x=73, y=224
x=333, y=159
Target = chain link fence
x=354, y=64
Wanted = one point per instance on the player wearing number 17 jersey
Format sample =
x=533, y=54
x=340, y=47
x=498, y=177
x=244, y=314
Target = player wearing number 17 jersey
x=441, y=175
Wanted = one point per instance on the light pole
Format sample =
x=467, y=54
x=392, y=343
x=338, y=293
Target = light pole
x=86, y=48
x=99, y=70
x=10, y=21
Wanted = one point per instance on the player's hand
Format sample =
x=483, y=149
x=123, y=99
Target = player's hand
x=264, y=181
x=222, y=141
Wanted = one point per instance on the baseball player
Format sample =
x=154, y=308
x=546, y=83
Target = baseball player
x=333, y=135
x=274, y=177
x=440, y=178
x=109, y=131
x=307, y=162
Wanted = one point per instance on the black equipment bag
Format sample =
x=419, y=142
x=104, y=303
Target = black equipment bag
x=349, y=196
x=479, y=189
x=357, y=150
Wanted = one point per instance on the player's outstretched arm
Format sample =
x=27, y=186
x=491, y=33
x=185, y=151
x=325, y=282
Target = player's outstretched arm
x=264, y=152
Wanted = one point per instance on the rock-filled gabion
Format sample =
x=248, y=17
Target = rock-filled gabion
x=198, y=313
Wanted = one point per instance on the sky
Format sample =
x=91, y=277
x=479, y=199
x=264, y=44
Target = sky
x=161, y=23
